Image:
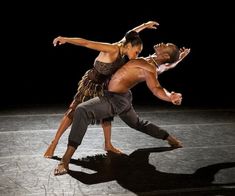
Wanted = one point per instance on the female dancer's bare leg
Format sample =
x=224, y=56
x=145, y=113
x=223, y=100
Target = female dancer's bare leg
x=65, y=123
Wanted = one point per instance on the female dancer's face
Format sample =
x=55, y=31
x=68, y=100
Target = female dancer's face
x=134, y=51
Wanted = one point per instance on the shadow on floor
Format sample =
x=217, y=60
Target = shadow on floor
x=133, y=172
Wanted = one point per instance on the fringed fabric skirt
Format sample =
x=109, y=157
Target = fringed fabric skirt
x=91, y=85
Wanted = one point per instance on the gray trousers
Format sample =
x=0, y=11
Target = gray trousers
x=111, y=104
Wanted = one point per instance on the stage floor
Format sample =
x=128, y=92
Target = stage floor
x=204, y=166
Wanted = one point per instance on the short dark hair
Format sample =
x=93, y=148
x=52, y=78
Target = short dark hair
x=174, y=53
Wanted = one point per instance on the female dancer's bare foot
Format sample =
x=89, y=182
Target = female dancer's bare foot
x=61, y=169
x=111, y=148
x=173, y=142
x=50, y=150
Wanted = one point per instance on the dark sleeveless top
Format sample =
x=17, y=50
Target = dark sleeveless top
x=103, y=71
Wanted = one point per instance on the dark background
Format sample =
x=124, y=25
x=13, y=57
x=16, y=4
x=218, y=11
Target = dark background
x=35, y=72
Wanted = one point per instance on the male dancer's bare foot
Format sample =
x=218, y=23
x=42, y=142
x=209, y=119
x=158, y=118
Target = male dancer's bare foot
x=173, y=142
x=50, y=150
x=61, y=169
x=111, y=148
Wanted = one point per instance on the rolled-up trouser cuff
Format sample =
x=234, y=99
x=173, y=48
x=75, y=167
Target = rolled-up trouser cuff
x=73, y=144
x=110, y=119
x=166, y=136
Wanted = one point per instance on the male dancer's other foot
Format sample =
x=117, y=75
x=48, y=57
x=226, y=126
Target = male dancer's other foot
x=173, y=142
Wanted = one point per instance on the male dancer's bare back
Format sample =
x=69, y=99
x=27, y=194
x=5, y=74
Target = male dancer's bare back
x=136, y=71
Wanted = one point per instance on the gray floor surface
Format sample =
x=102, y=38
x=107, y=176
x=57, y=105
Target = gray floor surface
x=204, y=166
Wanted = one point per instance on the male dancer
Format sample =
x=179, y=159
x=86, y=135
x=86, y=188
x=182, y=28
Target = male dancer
x=118, y=101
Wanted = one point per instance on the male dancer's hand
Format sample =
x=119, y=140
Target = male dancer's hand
x=176, y=98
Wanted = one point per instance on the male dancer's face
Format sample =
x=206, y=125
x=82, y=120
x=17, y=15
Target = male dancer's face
x=162, y=48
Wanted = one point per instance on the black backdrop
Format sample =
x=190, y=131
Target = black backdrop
x=35, y=72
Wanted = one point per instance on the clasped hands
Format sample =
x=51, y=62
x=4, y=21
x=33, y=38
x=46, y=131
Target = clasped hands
x=176, y=98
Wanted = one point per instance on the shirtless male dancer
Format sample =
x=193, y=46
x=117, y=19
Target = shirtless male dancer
x=117, y=100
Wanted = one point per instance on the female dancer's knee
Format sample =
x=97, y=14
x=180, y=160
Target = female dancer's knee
x=69, y=113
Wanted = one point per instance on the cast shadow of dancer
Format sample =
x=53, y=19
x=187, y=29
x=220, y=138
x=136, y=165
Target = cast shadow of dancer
x=133, y=172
